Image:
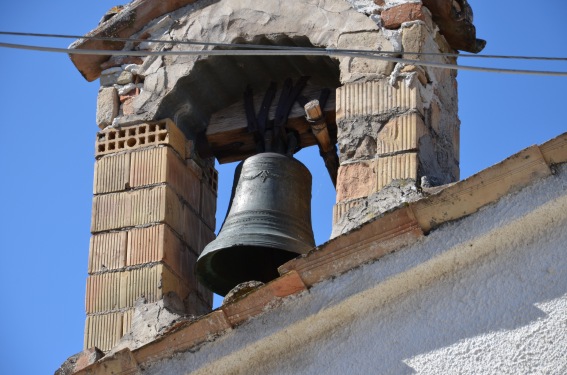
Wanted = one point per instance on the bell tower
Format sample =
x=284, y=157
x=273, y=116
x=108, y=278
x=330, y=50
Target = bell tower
x=384, y=118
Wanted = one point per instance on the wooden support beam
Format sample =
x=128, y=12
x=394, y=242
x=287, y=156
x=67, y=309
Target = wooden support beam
x=319, y=128
x=228, y=137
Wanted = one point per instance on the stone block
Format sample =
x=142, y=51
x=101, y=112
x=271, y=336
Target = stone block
x=125, y=77
x=103, y=331
x=109, y=77
x=396, y=167
x=79, y=361
x=352, y=67
x=413, y=40
x=376, y=98
x=162, y=132
x=356, y=180
x=112, y=173
x=392, y=18
x=107, y=106
x=117, y=61
x=400, y=134
x=418, y=71
x=107, y=252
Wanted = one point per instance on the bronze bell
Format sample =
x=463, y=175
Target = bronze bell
x=268, y=223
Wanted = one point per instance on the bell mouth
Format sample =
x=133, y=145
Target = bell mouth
x=222, y=270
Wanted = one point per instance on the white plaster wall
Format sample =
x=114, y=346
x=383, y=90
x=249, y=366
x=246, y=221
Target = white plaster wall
x=486, y=294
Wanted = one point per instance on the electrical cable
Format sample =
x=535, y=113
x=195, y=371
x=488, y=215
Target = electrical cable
x=282, y=52
x=262, y=46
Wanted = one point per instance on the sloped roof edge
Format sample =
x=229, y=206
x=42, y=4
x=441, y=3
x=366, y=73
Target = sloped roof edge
x=457, y=27
x=127, y=22
x=391, y=232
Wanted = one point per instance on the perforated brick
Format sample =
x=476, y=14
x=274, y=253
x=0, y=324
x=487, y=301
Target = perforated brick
x=110, y=141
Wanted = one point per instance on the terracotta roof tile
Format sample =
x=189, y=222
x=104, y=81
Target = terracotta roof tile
x=371, y=241
x=467, y=196
x=133, y=17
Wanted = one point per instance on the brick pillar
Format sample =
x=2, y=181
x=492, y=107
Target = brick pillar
x=397, y=129
x=153, y=213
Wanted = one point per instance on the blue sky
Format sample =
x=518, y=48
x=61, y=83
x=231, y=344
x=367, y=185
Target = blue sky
x=47, y=156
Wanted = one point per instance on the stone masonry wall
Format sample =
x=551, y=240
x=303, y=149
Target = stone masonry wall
x=398, y=129
x=153, y=213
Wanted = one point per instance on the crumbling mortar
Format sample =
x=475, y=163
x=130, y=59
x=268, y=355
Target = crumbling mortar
x=127, y=268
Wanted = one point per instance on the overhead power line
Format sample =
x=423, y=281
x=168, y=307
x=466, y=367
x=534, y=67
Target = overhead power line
x=282, y=52
x=276, y=47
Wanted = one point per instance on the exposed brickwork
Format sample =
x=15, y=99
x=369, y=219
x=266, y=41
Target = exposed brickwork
x=376, y=98
x=400, y=134
x=148, y=226
x=397, y=167
x=107, y=252
x=110, y=141
x=112, y=174
x=395, y=16
x=103, y=331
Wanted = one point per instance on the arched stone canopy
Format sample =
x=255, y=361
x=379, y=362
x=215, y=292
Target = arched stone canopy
x=189, y=89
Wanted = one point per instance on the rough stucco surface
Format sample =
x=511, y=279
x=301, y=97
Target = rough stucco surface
x=485, y=294
x=230, y=21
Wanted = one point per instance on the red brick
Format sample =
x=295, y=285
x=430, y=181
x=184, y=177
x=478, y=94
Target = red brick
x=393, y=18
x=112, y=174
x=159, y=243
x=107, y=251
x=103, y=331
x=162, y=165
x=208, y=207
x=152, y=283
x=111, y=211
x=103, y=292
x=159, y=204
x=164, y=132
